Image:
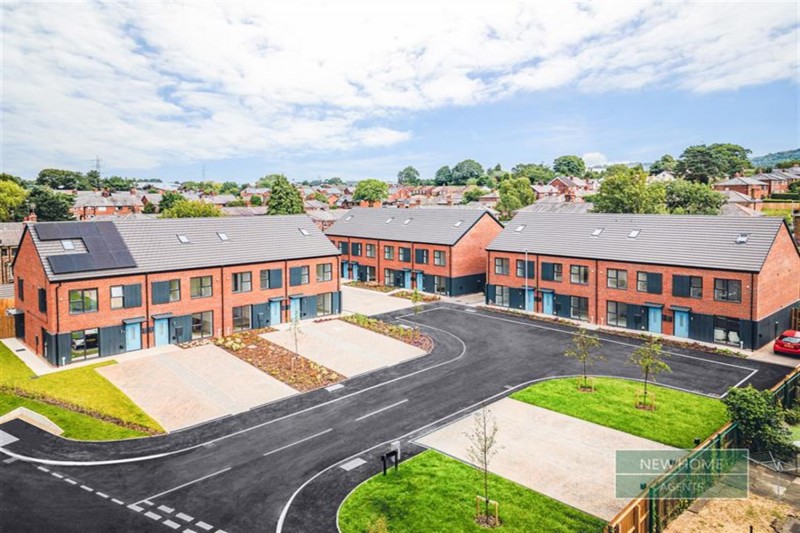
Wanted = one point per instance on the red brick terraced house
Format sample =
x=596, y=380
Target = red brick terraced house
x=440, y=250
x=93, y=289
x=729, y=280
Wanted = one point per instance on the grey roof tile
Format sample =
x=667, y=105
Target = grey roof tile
x=691, y=241
x=433, y=226
x=155, y=248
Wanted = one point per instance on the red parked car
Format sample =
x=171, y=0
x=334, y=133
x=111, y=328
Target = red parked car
x=788, y=343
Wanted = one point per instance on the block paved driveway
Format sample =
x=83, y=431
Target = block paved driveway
x=276, y=468
x=183, y=388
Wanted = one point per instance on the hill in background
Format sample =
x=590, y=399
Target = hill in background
x=773, y=159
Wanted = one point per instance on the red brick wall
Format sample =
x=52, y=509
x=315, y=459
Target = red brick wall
x=470, y=252
x=778, y=284
x=30, y=270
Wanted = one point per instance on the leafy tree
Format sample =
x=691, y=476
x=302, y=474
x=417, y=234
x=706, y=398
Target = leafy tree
x=93, y=179
x=50, y=206
x=583, y=349
x=318, y=196
x=709, y=163
x=408, y=176
x=116, y=183
x=236, y=203
x=149, y=208
x=16, y=179
x=685, y=197
x=569, y=165
x=649, y=358
x=535, y=172
x=617, y=169
x=284, y=197
x=269, y=180
x=465, y=170
x=256, y=200
x=61, y=179
x=371, y=190
x=443, y=176
x=760, y=420
x=12, y=197
x=788, y=164
x=191, y=209
x=169, y=199
x=334, y=181
x=515, y=194
x=629, y=193
x=666, y=163
x=483, y=447
x=471, y=195
x=230, y=187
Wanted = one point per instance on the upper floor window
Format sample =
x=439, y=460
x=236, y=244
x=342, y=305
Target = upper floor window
x=174, y=290
x=649, y=282
x=299, y=276
x=579, y=274
x=82, y=301
x=438, y=257
x=355, y=249
x=325, y=272
x=728, y=290
x=388, y=252
x=501, y=266
x=687, y=286
x=422, y=256
x=370, y=251
x=117, y=297
x=617, y=279
x=242, y=282
x=200, y=287
x=404, y=254
x=344, y=247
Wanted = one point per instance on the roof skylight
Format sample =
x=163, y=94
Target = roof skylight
x=519, y=228
x=633, y=234
x=348, y=217
x=304, y=231
x=183, y=239
x=597, y=232
x=67, y=244
x=742, y=238
x=222, y=236
x=389, y=219
x=407, y=221
x=458, y=223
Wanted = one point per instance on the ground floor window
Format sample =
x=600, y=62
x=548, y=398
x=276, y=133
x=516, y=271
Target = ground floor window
x=579, y=308
x=440, y=284
x=726, y=330
x=85, y=344
x=501, y=296
x=388, y=277
x=617, y=314
x=370, y=274
x=202, y=324
x=242, y=318
x=325, y=304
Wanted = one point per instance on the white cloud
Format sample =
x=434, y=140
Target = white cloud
x=146, y=83
x=594, y=159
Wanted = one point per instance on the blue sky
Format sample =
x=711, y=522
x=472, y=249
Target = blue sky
x=362, y=90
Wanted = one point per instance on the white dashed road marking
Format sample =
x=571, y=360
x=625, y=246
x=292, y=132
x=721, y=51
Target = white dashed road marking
x=87, y=489
x=185, y=517
x=204, y=525
x=71, y=482
x=102, y=495
x=135, y=507
x=43, y=469
x=117, y=501
x=152, y=515
x=170, y=523
x=56, y=474
x=165, y=509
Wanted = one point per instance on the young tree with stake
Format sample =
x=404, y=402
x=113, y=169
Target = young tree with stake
x=582, y=349
x=648, y=357
x=483, y=447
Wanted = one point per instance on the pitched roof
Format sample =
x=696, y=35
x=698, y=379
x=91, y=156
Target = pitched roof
x=114, y=199
x=558, y=207
x=743, y=180
x=691, y=241
x=433, y=226
x=737, y=197
x=10, y=233
x=154, y=244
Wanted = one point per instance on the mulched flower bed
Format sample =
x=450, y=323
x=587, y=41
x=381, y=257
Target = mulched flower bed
x=282, y=364
x=641, y=336
x=424, y=298
x=408, y=335
x=371, y=285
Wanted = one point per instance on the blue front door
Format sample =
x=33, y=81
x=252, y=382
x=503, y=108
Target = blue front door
x=355, y=271
x=529, y=299
x=547, y=303
x=407, y=283
x=133, y=337
x=274, y=313
x=294, y=309
x=682, y=324
x=344, y=269
x=654, y=319
x=161, y=328
x=420, y=281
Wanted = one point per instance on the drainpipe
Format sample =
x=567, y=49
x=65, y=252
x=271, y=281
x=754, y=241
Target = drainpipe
x=222, y=303
x=525, y=304
x=147, y=307
x=596, y=293
x=753, y=328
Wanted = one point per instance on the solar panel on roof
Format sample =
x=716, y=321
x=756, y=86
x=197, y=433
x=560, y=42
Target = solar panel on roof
x=104, y=245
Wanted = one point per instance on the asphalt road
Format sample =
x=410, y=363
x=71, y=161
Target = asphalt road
x=275, y=467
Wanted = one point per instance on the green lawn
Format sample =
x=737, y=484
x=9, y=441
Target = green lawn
x=795, y=432
x=81, y=386
x=677, y=420
x=432, y=492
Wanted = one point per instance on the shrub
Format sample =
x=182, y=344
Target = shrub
x=760, y=421
x=792, y=415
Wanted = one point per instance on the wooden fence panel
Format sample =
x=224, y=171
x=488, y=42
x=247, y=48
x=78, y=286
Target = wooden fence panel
x=6, y=322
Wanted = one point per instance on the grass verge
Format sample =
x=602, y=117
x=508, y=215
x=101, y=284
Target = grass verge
x=432, y=492
x=82, y=388
x=679, y=416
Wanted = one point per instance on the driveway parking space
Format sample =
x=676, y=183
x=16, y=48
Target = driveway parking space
x=367, y=302
x=345, y=348
x=183, y=388
x=562, y=457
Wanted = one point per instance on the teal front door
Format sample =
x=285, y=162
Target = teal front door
x=682, y=324
x=407, y=281
x=529, y=299
x=355, y=271
x=547, y=303
x=161, y=328
x=654, y=319
x=294, y=309
x=344, y=269
x=274, y=313
x=133, y=337
x=420, y=281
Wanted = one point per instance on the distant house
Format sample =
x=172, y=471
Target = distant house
x=248, y=192
x=325, y=218
x=750, y=186
x=244, y=211
x=10, y=235
x=735, y=197
x=89, y=204
x=662, y=177
x=220, y=200
x=545, y=190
